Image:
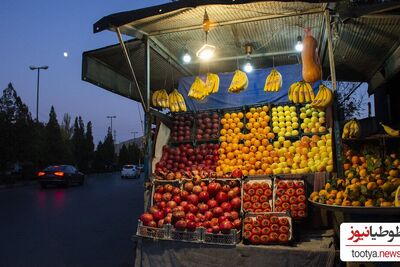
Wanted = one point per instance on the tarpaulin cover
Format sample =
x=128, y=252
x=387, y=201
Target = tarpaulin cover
x=254, y=94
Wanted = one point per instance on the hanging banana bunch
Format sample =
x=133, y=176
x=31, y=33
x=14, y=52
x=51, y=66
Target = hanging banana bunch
x=239, y=82
x=176, y=102
x=160, y=99
x=351, y=129
x=200, y=90
x=273, y=83
x=301, y=92
x=324, y=98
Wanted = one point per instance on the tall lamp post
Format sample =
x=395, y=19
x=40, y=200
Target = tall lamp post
x=37, y=87
x=111, y=118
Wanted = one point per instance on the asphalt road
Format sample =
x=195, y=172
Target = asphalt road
x=89, y=225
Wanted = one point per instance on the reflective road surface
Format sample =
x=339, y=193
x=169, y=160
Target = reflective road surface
x=89, y=225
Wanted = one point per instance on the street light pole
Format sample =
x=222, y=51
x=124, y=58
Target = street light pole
x=111, y=118
x=37, y=87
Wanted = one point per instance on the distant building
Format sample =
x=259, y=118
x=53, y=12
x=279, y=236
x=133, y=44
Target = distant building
x=138, y=141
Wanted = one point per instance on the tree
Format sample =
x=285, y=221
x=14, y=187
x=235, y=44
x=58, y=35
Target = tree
x=16, y=126
x=123, y=156
x=78, y=142
x=54, y=145
x=105, y=154
x=66, y=128
x=89, y=145
x=135, y=154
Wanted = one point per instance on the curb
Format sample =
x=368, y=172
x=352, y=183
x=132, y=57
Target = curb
x=21, y=184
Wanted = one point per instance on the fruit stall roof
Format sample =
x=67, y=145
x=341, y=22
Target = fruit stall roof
x=365, y=38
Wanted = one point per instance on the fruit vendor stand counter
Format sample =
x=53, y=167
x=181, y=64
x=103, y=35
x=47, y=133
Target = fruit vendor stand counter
x=274, y=127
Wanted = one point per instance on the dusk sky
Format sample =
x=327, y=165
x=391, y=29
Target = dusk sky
x=38, y=33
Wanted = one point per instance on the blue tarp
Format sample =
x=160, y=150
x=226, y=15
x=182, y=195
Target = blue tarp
x=254, y=94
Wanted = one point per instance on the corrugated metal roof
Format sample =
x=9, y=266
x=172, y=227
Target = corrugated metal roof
x=270, y=26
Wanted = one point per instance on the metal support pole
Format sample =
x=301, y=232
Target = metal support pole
x=148, y=123
x=128, y=60
x=336, y=124
x=37, y=95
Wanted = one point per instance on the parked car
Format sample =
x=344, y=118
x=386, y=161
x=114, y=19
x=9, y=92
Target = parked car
x=60, y=174
x=130, y=171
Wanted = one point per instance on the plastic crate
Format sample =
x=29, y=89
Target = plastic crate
x=153, y=232
x=266, y=215
x=252, y=180
x=187, y=236
x=294, y=208
x=230, y=239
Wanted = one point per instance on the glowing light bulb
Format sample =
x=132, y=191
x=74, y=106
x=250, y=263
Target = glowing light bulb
x=248, y=67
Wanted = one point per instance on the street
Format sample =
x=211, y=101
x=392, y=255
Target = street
x=89, y=225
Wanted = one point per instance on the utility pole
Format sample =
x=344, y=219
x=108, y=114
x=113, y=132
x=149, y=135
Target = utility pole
x=37, y=87
x=111, y=119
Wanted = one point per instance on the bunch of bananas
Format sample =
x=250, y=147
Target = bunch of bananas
x=301, y=92
x=324, y=98
x=160, y=99
x=176, y=102
x=351, y=129
x=390, y=131
x=273, y=82
x=239, y=82
x=200, y=90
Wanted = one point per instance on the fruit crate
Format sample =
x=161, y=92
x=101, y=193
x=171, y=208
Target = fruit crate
x=262, y=221
x=230, y=239
x=215, y=118
x=153, y=232
x=290, y=192
x=195, y=236
x=260, y=179
x=258, y=108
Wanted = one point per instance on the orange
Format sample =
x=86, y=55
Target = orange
x=228, y=148
x=235, y=140
x=247, y=143
x=227, y=116
x=268, y=171
x=252, y=120
x=245, y=172
x=234, y=146
x=270, y=147
x=236, y=130
x=236, y=120
x=223, y=121
x=252, y=172
x=240, y=115
x=256, y=115
x=223, y=144
x=258, y=156
x=253, y=130
x=265, y=108
x=232, y=126
x=256, y=125
x=226, y=126
x=222, y=138
x=264, y=166
x=257, y=143
x=263, y=114
x=271, y=136
x=354, y=159
x=265, y=153
x=233, y=115
x=252, y=160
x=249, y=115
x=246, y=157
x=230, y=155
x=229, y=121
x=257, y=165
x=265, y=142
x=240, y=125
x=222, y=156
x=253, y=149
x=263, y=124
x=261, y=148
x=230, y=132
x=245, y=149
x=248, y=126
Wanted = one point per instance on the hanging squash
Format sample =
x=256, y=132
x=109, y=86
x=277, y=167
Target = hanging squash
x=312, y=71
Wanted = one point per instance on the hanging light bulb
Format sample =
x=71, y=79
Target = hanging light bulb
x=248, y=67
x=299, y=44
x=186, y=56
x=206, y=52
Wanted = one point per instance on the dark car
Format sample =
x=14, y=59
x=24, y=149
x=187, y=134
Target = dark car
x=60, y=174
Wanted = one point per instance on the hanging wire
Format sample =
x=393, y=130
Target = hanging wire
x=273, y=62
x=237, y=63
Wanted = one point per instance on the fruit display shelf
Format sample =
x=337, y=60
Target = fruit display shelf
x=195, y=236
x=153, y=232
x=359, y=210
x=230, y=239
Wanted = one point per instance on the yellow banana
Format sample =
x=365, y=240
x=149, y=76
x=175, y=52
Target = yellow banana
x=301, y=93
x=154, y=98
x=310, y=91
x=296, y=93
x=307, y=97
x=390, y=131
x=239, y=82
x=290, y=93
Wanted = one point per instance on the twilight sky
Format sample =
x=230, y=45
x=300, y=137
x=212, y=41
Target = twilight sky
x=38, y=33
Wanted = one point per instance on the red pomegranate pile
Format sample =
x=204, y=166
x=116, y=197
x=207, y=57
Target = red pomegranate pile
x=291, y=196
x=215, y=206
x=257, y=196
x=182, y=127
x=189, y=162
x=207, y=125
x=266, y=228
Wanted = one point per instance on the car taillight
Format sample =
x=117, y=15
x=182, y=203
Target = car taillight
x=59, y=173
x=41, y=173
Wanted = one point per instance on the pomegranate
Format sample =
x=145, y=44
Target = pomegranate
x=161, y=204
x=193, y=199
x=176, y=191
x=188, y=186
x=197, y=189
x=221, y=197
x=153, y=209
x=213, y=188
x=146, y=218
x=234, y=215
x=236, y=203
x=158, y=215
x=167, y=197
x=171, y=204
x=237, y=173
x=202, y=207
x=184, y=195
x=226, y=188
x=181, y=225
x=212, y=203
x=226, y=206
x=218, y=211
x=157, y=197
x=226, y=227
x=168, y=220
x=237, y=223
x=190, y=216
x=204, y=196
x=177, y=199
x=209, y=215
x=178, y=215
x=191, y=226
x=160, y=223
x=152, y=224
x=193, y=209
x=215, y=229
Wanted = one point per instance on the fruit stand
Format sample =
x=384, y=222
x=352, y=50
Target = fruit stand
x=231, y=167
